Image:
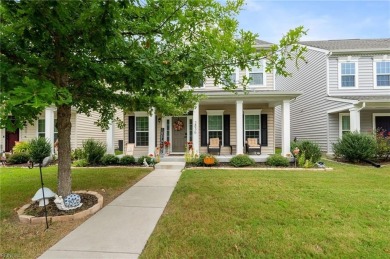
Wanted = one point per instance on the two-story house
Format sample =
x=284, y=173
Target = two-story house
x=231, y=117
x=346, y=87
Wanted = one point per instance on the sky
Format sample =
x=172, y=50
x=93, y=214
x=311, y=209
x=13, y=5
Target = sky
x=325, y=20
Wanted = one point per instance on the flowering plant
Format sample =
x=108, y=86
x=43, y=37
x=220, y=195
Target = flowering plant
x=167, y=143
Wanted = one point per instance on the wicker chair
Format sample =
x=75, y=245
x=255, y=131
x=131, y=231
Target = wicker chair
x=252, y=145
x=214, y=146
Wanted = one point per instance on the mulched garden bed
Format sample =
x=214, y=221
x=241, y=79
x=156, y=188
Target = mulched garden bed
x=227, y=165
x=88, y=201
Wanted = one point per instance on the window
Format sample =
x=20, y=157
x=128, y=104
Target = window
x=215, y=126
x=348, y=74
x=257, y=75
x=42, y=127
x=142, y=131
x=190, y=129
x=345, y=124
x=234, y=76
x=383, y=73
x=252, y=124
x=168, y=130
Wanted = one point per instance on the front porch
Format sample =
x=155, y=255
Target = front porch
x=232, y=118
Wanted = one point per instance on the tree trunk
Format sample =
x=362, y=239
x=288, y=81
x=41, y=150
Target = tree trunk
x=64, y=150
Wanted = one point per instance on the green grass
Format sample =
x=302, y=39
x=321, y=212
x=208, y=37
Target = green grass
x=18, y=185
x=252, y=214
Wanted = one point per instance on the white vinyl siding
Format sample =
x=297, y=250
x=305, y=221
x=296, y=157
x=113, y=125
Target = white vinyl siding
x=382, y=74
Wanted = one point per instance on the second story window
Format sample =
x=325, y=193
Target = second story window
x=257, y=76
x=234, y=77
x=348, y=74
x=383, y=74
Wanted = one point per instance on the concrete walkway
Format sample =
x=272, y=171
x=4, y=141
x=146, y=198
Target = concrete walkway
x=122, y=228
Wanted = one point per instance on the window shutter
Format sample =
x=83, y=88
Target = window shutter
x=264, y=130
x=203, y=130
x=226, y=130
x=131, y=129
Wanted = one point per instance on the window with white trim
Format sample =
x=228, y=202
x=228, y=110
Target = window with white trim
x=344, y=123
x=142, y=131
x=382, y=74
x=42, y=129
x=348, y=74
x=234, y=77
x=256, y=75
x=215, y=126
x=252, y=125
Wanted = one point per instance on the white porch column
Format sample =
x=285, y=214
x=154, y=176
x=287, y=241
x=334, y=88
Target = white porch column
x=195, y=130
x=354, y=115
x=152, y=132
x=286, y=127
x=110, y=139
x=49, y=126
x=239, y=127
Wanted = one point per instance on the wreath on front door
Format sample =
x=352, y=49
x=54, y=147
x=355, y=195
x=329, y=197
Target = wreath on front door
x=178, y=125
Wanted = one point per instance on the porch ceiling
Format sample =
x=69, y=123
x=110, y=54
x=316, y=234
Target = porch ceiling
x=271, y=97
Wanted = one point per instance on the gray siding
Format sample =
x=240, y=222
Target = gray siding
x=365, y=78
x=309, y=111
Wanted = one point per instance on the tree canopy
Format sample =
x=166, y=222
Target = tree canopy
x=120, y=54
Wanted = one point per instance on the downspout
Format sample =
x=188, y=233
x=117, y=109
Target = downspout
x=327, y=93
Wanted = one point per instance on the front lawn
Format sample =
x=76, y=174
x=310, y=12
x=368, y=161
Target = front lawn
x=251, y=214
x=18, y=186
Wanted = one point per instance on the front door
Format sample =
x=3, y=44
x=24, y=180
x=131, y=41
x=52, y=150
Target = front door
x=179, y=134
x=10, y=138
x=383, y=124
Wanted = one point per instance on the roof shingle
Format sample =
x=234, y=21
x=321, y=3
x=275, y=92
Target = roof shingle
x=350, y=44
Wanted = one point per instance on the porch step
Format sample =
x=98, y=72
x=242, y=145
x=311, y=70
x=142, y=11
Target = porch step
x=172, y=159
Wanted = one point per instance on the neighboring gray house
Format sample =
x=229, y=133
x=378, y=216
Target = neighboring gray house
x=346, y=87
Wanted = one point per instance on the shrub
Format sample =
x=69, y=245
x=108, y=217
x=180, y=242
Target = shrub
x=140, y=160
x=277, y=160
x=80, y=163
x=382, y=145
x=39, y=148
x=311, y=150
x=109, y=159
x=93, y=151
x=200, y=161
x=21, y=147
x=355, y=147
x=77, y=154
x=127, y=160
x=18, y=158
x=241, y=160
